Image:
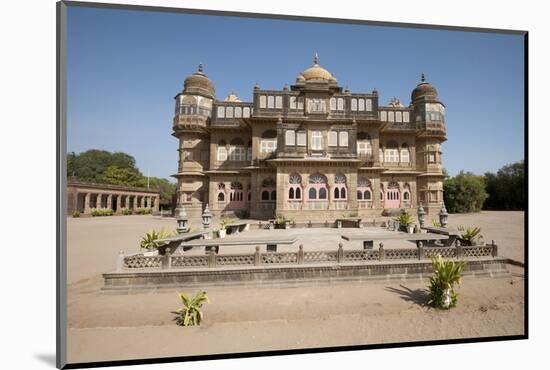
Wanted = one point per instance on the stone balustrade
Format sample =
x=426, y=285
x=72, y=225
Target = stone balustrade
x=301, y=257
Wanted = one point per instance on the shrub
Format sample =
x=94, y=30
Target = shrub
x=405, y=219
x=151, y=239
x=190, y=314
x=225, y=222
x=436, y=223
x=102, y=212
x=470, y=234
x=281, y=221
x=76, y=214
x=144, y=211
x=126, y=211
x=441, y=292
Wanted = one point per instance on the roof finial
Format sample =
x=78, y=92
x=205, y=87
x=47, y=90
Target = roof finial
x=423, y=78
x=200, y=67
x=316, y=58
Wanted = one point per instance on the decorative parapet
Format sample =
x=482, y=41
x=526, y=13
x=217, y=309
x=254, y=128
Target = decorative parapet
x=338, y=256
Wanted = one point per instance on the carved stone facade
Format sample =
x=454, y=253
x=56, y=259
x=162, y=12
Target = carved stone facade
x=309, y=151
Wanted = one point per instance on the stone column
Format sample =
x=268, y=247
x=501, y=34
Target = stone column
x=375, y=182
x=134, y=202
x=118, y=203
x=330, y=189
x=109, y=201
x=98, y=202
x=156, y=203
x=352, y=191
x=281, y=188
x=87, y=203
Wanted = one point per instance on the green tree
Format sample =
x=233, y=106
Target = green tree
x=506, y=188
x=464, y=193
x=89, y=166
x=167, y=189
x=122, y=176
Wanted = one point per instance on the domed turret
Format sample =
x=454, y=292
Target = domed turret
x=316, y=73
x=424, y=90
x=199, y=83
x=232, y=97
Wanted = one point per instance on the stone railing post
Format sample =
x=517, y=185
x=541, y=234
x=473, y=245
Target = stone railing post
x=459, y=250
x=420, y=250
x=259, y=225
x=212, y=259
x=257, y=256
x=340, y=255
x=495, y=249
x=167, y=260
x=120, y=261
x=301, y=254
x=381, y=253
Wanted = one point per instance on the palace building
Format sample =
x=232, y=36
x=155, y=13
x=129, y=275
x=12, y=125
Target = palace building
x=309, y=151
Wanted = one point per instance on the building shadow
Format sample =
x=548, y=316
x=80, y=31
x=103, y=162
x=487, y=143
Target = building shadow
x=417, y=296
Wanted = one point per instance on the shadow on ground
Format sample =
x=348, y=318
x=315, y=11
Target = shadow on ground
x=417, y=296
x=47, y=358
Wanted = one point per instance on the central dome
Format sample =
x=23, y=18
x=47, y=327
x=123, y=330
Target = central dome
x=316, y=72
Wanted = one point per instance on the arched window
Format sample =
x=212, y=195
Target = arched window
x=406, y=193
x=295, y=183
x=364, y=191
x=221, y=192
x=340, y=187
x=340, y=103
x=236, y=196
x=317, y=187
x=268, y=190
x=393, y=195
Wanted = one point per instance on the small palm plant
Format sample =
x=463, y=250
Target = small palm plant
x=190, y=314
x=151, y=240
x=441, y=293
x=404, y=219
x=470, y=234
x=225, y=222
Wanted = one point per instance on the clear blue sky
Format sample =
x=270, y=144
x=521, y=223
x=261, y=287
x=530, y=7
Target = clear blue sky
x=125, y=67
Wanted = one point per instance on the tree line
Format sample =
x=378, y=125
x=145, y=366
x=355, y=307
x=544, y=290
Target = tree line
x=104, y=167
x=505, y=190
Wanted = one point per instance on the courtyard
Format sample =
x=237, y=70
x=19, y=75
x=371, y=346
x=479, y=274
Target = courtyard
x=112, y=326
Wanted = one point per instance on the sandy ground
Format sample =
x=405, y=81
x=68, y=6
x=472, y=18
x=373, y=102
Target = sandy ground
x=93, y=243
x=109, y=326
